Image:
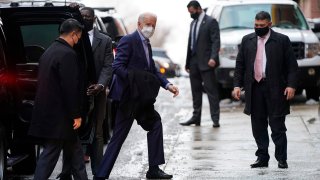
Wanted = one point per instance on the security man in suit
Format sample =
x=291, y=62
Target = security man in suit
x=266, y=68
x=134, y=54
x=103, y=58
x=202, y=59
x=57, y=109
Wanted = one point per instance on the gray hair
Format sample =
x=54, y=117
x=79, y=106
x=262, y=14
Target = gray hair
x=146, y=14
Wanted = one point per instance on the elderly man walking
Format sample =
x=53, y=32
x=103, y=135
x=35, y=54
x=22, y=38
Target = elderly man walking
x=134, y=87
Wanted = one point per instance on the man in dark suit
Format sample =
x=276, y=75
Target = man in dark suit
x=134, y=54
x=202, y=59
x=57, y=109
x=103, y=58
x=267, y=69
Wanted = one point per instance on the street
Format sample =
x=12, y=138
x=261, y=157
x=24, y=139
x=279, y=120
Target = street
x=217, y=153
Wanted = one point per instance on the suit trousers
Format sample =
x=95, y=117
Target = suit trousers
x=98, y=116
x=95, y=150
x=48, y=159
x=204, y=80
x=122, y=127
x=260, y=118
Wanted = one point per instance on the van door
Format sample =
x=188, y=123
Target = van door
x=29, y=31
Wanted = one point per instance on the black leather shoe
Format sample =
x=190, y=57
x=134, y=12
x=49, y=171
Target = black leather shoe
x=98, y=178
x=216, y=125
x=259, y=163
x=157, y=174
x=190, y=122
x=63, y=176
x=282, y=164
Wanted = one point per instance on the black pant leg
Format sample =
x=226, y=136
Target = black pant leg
x=196, y=89
x=73, y=155
x=122, y=127
x=48, y=159
x=259, y=120
x=211, y=88
x=155, y=144
x=279, y=137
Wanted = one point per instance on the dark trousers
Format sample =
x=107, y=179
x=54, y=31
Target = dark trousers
x=96, y=148
x=51, y=151
x=260, y=119
x=122, y=127
x=207, y=80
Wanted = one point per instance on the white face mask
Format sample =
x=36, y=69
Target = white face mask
x=147, y=31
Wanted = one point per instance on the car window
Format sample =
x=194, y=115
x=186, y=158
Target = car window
x=160, y=54
x=114, y=26
x=242, y=16
x=37, y=38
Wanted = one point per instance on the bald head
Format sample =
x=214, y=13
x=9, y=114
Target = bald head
x=147, y=15
x=147, y=19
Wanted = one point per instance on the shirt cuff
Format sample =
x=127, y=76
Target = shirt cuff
x=101, y=85
x=167, y=85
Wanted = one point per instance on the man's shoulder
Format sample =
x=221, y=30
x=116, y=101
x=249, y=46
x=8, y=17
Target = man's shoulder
x=278, y=35
x=249, y=36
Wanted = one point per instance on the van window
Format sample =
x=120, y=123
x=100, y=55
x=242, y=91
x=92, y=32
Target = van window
x=37, y=38
x=242, y=16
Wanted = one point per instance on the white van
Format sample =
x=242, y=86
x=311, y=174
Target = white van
x=236, y=19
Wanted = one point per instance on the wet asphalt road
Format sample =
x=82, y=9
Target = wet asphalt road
x=217, y=153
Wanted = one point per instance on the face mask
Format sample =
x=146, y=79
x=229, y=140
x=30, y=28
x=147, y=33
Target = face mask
x=88, y=24
x=147, y=31
x=75, y=42
x=195, y=16
x=261, y=31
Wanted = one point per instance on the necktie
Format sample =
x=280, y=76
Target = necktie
x=149, y=51
x=194, y=37
x=258, y=63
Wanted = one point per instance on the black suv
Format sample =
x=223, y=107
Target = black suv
x=25, y=33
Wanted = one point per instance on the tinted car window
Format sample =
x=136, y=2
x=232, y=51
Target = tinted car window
x=37, y=38
x=42, y=35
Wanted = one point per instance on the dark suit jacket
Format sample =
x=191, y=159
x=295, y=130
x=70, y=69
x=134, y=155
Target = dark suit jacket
x=57, y=100
x=281, y=70
x=207, y=45
x=130, y=56
x=103, y=57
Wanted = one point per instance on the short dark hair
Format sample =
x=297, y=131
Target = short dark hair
x=194, y=4
x=91, y=10
x=70, y=25
x=263, y=15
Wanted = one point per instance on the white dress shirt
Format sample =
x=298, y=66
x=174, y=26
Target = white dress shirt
x=264, y=60
x=200, y=18
x=90, y=33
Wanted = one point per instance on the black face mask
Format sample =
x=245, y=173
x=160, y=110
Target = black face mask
x=195, y=16
x=88, y=24
x=261, y=31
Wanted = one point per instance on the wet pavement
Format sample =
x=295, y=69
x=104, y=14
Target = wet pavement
x=218, y=153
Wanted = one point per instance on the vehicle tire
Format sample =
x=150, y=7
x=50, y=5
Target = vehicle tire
x=3, y=154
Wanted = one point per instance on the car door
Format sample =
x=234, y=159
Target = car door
x=29, y=31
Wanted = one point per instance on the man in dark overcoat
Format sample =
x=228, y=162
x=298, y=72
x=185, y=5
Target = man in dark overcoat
x=57, y=109
x=267, y=70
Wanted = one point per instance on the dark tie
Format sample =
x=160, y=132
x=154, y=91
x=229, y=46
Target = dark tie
x=194, y=37
x=149, y=51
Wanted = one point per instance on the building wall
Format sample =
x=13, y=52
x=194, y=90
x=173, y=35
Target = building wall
x=310, y=8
